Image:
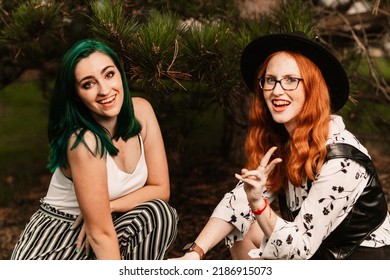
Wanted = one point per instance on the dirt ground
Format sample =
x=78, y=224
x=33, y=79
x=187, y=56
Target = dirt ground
x=194, y=197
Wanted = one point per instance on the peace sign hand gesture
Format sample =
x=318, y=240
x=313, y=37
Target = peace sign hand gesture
x=255, y=180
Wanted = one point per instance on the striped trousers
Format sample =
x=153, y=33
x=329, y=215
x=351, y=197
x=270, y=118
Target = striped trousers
x=144, y=233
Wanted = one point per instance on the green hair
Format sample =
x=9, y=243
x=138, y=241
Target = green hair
x=67, y=115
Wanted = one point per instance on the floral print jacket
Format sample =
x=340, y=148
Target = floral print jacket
x=331, y=197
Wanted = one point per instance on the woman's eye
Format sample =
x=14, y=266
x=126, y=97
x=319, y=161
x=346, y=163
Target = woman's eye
x=291, y=79
x=110, y=74
x=270, y=80
x=87, y=85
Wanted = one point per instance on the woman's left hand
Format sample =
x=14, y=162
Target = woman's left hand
x=255, y=180
x=82, y=235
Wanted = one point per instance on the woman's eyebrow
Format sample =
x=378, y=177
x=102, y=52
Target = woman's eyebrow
x=89, y=77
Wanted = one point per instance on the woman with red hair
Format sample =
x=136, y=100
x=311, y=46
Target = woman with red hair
x=331, y=203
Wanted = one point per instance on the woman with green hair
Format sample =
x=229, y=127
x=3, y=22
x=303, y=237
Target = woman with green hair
x=108, y=196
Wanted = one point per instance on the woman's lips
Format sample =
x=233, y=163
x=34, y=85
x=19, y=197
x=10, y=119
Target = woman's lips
x=280, y=105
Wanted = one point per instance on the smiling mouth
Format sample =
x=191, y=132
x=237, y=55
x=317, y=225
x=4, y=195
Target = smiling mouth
x=108, y=100
x=280, y=103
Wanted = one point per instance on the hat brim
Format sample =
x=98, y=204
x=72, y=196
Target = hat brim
x=256, y=52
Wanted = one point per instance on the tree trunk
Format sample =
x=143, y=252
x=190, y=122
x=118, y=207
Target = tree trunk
x=235, y=130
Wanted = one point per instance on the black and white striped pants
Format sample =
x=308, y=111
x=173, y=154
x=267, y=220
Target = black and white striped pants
x=144, y=233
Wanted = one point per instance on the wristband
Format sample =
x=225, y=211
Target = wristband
x=259, y=211
x=193, y=247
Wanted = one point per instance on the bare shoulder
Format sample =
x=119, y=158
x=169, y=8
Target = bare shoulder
x=140, y=103
x=89, y=141
x=142, y=108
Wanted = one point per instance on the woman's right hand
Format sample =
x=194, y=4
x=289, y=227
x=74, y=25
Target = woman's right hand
x=256, y=180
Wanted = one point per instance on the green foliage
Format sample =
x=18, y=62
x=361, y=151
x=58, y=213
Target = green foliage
x=368, y=119
x=30, y=22
x=154, y=52
x=194, y=9
x=295, y=15
x=250, y=29
x=212, y=58
x=23, y=142
x=111, y=25
x=383, y=68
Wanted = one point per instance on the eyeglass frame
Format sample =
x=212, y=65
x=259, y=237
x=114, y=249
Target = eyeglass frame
x=280, y=82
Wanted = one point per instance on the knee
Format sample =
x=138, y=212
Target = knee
x=159, y=213
x=252, y=240
x=240, y=250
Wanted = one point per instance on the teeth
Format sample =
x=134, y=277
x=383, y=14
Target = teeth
x=107, y=100
x=281, y=103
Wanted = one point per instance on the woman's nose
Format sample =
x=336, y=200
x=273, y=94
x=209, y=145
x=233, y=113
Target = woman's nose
x=104, y=89
x=278, y=90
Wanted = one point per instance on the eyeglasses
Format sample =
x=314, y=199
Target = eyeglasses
x=289, y=83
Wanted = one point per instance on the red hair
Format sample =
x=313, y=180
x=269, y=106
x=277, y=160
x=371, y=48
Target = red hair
x=304, y=151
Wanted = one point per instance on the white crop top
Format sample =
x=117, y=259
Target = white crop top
x=61, y=193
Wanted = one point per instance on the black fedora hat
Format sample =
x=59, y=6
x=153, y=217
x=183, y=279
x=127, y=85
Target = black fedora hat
x=256, y=52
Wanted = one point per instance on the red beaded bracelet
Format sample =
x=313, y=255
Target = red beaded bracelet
x=259, y=211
